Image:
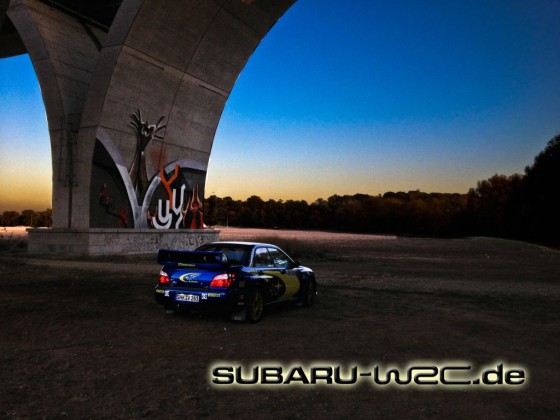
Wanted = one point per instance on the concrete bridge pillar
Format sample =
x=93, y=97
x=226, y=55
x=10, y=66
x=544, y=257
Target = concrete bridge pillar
x=133, y=106
x=64, y=58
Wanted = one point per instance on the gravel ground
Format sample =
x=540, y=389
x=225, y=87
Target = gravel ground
x=83, y=338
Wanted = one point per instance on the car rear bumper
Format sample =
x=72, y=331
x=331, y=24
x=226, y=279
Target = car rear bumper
x=171, y=297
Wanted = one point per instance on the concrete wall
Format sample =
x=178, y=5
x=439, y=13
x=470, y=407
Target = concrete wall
x=93, y=242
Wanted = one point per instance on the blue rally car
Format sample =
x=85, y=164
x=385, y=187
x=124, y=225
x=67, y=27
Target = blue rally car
x=241, y=277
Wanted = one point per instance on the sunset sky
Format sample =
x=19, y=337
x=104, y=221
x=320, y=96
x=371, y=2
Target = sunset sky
x=346, y=97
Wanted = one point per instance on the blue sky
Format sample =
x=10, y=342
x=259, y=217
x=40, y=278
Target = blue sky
x=346, y=97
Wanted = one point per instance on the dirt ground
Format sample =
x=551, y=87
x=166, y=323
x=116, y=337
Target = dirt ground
x=84, y=338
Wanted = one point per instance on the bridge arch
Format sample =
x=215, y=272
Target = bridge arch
x=134, y=91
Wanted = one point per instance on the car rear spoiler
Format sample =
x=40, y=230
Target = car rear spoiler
x=204, y=260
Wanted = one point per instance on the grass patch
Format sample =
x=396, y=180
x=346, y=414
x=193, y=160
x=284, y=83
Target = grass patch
x=12, y=243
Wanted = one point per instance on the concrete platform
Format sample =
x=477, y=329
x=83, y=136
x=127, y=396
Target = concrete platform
x=115, y=241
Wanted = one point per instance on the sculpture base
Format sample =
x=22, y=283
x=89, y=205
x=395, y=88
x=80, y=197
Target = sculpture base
x=115, y=241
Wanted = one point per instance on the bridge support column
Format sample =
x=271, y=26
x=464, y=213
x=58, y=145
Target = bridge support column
x=133, y=108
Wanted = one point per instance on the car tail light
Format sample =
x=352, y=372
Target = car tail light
x=222, y=280
x=163, y=277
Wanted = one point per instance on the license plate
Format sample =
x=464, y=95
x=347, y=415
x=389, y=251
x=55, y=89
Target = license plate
x=181, y=297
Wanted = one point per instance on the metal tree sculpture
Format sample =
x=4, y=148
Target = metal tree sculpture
x=145, y=133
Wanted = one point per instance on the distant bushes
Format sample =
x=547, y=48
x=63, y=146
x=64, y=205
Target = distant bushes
x=26, y=218
x=413, y=213
x=517, y=206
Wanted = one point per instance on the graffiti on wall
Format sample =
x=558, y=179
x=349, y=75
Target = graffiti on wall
x=106, y=202
x=145, y=133
x=128, y=197
x=175, y=211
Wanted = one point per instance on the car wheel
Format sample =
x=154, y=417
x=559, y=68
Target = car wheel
x=310, y=293
x=255, y=306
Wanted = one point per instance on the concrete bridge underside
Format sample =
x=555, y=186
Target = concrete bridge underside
x=134, y=91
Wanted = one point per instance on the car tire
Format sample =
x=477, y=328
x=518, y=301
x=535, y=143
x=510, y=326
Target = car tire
x=308, y=298
x=255, y=306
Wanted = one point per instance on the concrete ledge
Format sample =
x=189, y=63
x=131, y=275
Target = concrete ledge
x=115, y=241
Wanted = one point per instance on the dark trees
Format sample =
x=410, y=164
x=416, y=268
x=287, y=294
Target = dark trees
x=516, y=206
x=540, y=210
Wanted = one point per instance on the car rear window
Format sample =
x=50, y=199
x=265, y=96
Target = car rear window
x=236, y=254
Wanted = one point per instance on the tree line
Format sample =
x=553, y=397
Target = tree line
x=26, y=218
x=517, y=206
x=520, y=206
